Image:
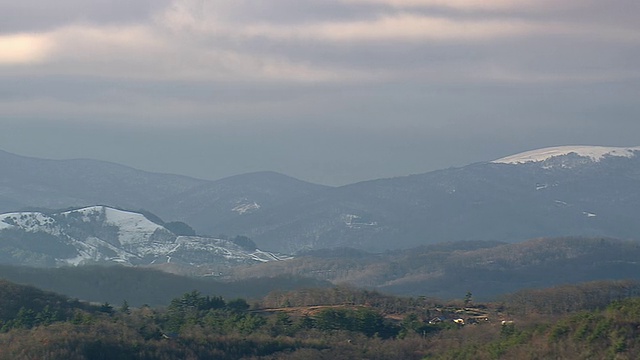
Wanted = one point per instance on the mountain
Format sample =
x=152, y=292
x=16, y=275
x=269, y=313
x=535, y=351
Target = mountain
x=587, y=153
x=569, y=191
x=101, y=234
x=563, y=191
x=38, y=183
x=449, y=270
x=208, y=207
x=29, y=183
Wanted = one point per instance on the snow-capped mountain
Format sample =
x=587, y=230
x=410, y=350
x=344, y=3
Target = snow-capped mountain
x=101, y=234
x=562, y=191
x=592, y=153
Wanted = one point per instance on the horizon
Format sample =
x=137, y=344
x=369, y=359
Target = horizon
x=329, y=91
x=506, y=157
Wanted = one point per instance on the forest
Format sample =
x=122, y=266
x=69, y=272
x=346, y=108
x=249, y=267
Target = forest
x=597, y=320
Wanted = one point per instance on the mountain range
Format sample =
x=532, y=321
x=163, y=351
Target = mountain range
x=563, y=191
x=569, y=192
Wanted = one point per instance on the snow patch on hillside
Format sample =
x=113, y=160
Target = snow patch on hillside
x=595, y=153
x=28, y=221
x=246, y=208
x=266, y=256
x=134, y=227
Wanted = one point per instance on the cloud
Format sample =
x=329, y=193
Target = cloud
x=230, y=41
x=145, y=52
x=191, y=42
x=381, y=27
x=400, y=27
x=23, y=49
x=40, y=16
x=396, y=26
x=216, y=21
x=513, y=7
x=455, y=4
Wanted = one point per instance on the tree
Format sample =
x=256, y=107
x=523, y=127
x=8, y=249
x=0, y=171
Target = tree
x=106, y=308
x=47, y=316
x=369, y=322
x=238, y=305
x=468, y=298
x=26, y=318
x=245, y=243
x=124, y=308
x=410, y=324
x=179, y=228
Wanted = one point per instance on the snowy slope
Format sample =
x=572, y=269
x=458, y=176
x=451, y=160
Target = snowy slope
x=595, y=153
x=133, y=227
x=99, y=234
x=28, y=221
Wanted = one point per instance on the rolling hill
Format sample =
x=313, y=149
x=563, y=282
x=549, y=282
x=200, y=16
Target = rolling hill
x=449, y=270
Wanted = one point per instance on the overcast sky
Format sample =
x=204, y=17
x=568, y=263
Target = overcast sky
x=329, y=91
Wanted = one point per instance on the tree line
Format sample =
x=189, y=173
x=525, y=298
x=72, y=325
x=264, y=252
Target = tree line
x=340, y=323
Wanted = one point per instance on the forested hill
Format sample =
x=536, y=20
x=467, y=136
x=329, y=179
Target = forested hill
x=447, y=270
x=140, y=286
x=26, y=306
x=341, y=323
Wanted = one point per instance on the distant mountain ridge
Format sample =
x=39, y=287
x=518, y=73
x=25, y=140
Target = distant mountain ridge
x=100, y=234
x=563, y=195
x=562, y=191
x=55, y=184
x=27, y=183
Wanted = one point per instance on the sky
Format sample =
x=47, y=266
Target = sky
x=328, y=91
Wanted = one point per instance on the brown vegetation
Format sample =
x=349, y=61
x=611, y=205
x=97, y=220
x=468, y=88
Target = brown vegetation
x=337, y=323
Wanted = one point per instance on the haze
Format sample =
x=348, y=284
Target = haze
x=329, y=91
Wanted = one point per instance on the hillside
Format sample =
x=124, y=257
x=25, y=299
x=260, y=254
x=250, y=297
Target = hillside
x=564, y=195
x=18, y=299
x=139, y=286
x=208, y=207
x=54, y=184
x=343, y=323
x=449, y=270
x=101, y=234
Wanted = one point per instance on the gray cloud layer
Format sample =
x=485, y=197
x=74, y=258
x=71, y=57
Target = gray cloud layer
x=327, y=90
